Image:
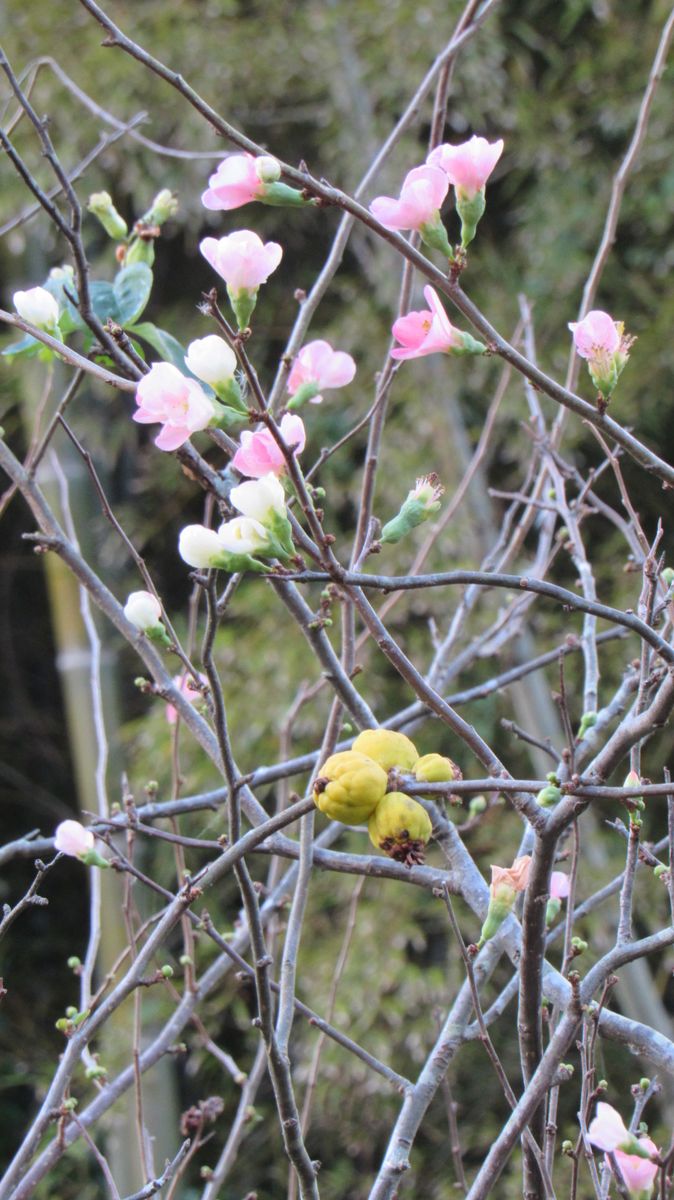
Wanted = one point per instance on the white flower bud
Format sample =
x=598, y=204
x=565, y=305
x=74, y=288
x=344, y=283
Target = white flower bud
x=262, y=499
x=143, y=610
x=267, y=169
x=243, y=535
x=200, y=547
x=211, y=359
x=37, y=306
x=72, y=838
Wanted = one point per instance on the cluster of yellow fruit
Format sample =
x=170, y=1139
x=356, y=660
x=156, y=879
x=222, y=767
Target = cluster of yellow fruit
x=352, y=787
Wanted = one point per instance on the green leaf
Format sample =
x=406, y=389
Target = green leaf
x=168, y=348
x=26, y=347
x=104, y=302
x=132, y=289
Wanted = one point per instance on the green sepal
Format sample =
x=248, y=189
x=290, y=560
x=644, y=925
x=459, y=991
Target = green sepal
x=470, y=210
x=158, y=634
x=306, y=391
x=435, y=235
x=231, y=396
x=243, y=305
x=140, y=250
x=93, y=859
x=470, y=346
x=281, y=196
x=280, y=536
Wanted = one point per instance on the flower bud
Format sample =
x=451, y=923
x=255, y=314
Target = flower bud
x=421, y=504
x=587, y=721
x=200, y=547
x=668, y=576
x=167, y=971
x=267, y=169
x=164, y=206
x=477, y=805
x=101, y=206
x=73, y=839
x=548, y=796
x=38, y=307
x=143, y=610
x=211, y=359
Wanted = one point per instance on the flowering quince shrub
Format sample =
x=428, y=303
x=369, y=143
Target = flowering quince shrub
x=376, y=794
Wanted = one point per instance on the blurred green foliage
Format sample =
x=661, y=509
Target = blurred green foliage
x=561, y=81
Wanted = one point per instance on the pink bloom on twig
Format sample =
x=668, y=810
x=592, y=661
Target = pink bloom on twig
x=192, y=694
x=179, y=404
x=238, y=180
x=607, y=1130
x=596, y=335
x=421, y=197
x=431, y=332
x=559, y=885
x=72, y=838
x=469, y=165
x=638, y=1173
x=241, y=258
x=259, y=454
x=318, y=367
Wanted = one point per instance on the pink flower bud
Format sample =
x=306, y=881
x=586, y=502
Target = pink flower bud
x=421, y=198
x=431, y=332
x=259, y=454
x=318, y=367
x=469, y=165
x=190, y=693
x=72, y=838
x=241, y=259
x=603, y=343
x=559, y=885
x=179, y=404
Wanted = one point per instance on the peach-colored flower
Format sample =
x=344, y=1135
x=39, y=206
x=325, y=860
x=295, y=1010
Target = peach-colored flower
x=511, y=879
x=469, y=165
x=259, y=454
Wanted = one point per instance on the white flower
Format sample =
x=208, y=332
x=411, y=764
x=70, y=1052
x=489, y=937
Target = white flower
x=263, y=499
x=243, y=535
x=72, y=838
x=211, y=359
x=200, y=547
x=267, y=169
x=143, y=610
x=37, y=306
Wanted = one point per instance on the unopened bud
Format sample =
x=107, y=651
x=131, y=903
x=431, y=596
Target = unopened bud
x=166, y=971
x=101, y=206
x=164, y=206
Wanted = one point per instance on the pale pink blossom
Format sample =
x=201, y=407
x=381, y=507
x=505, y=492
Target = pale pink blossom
x=238, y=180
x=507, y=880
x=469, y=165
x=319, y=366
x=596, y=335
x=559, y=885
x=607, y=1130
x=259, y=454
x=73, y=839
x=241, y=258
x=638, y=1173
x=427, y=332
x=179, y=404
x=421, y=197
x=192, y=694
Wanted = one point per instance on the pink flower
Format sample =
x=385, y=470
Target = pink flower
x=596, y=335
x=603, y=342
x=469, y=165
x=319, y=367
x=559, y=885
x=431, y=332
x=73, y=839
x=638, y=1173
x=421, y=197
x=241, y=259
x=180, y=404
x=607, y=1131
x=182, y=682
x=259, y=454
x=236, y=182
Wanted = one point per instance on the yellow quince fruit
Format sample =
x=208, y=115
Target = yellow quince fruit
x=436, y=768
x=349, y=787
x=400, y=827
x=387, y=748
